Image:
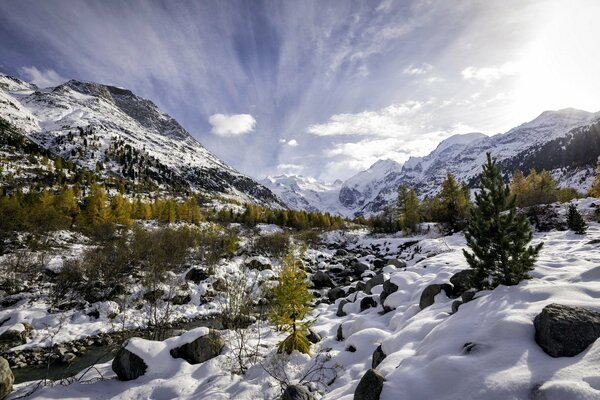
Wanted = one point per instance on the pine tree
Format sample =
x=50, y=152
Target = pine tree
x=575, y=221
x=291, y=304
x=497, y=235
x=454, y=201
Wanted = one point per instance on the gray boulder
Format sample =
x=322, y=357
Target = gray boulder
x=297, y=392
x=367, y=302
x=202, y=349
x=461, y=281
x=428, y=295
x=370, y=386
x=468, y=295
x=322, y=280
x=340, y=333
x=13, y=337
x=196, y=275
x=341, y=253
x=374, y=281
x=378, y=357
x=396, y=263
x=564, y=331
x=388, y=288
x=340, y=310
x=313, y=337
x=378, y=263
x=6, y=378
x=258, y=265
x=336, y=293
x=359, y=268
x=128, y=366
x=455, y=305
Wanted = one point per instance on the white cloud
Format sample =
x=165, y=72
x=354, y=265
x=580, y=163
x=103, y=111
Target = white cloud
x=290, y=168
x=282, y=141
x=232, y=124
x=418, y=69
x=43, y=79
x=385, y=122
x=293, y=143
x=489, y=74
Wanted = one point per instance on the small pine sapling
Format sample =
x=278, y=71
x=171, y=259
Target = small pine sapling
x=575, y=221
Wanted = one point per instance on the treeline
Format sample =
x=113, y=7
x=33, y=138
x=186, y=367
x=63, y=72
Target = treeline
x=451, y=206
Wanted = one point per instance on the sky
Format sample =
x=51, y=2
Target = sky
x=318, y=88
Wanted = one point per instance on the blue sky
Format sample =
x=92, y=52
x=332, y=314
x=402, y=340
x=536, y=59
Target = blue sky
x=320, y=88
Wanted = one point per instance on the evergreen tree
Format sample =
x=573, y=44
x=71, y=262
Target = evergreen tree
x=497, y=236
x=453, y=200
x=408, y=209
x=291, y=304
x=575, y=221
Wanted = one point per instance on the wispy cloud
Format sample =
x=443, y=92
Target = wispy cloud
x=421, y=69
x=489, y=75
x=43, y=79
x=232, y=125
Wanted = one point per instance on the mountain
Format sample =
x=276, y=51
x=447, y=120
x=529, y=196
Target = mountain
x=304, y=193
x=112, y=131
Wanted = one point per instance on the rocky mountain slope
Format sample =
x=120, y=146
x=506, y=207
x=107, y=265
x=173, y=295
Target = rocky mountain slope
x=565, y=142
x=112, y=131
x=304, y=193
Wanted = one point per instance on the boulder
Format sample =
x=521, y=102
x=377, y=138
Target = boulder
x=367, y=302
x=219, y=285
x=461, y=281
x=197, y=275
x=565, y=331
x=313, y=337
x=428, y=295
x=388, y=288
x=468, y=295
x=181, y=298
x=455, y=305
x=128, y=366
x=6, y=378
x=396, y=263
x=258, y=265
x=359, y=268
x=370, y=386
x=374, y=281
x=340, y=310
x=340, y=333
x=378, y=263
x=341, y=253
x=360, y=286
x=14, y=336
x=202, y=349
x=322, y=280
x=297, y=392
x=336, y=293
x=153, y=295
x=378, y=357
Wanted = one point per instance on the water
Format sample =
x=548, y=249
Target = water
x=98, y=354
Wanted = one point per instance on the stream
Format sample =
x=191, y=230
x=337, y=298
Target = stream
x=98, y=354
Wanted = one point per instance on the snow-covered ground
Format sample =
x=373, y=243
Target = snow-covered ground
x=486, y=350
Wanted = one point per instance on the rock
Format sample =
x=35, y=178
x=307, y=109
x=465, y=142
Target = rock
x=565, y=331
x=13, y=337
x=258, y=265
x=202, y=349
x=396, y=263
x=378, y=263
x=455, y=305
x=153, y=295
x=461, y=281
x=313, y=337
x=340, y=333
x=367, y=302
x=340, y=310
x=351, y=349
x=468, y=295
x=181, y=298
x=67, y=358
x=220, y=285
x=370, y=386
x=6, y=378
x=388, y=288
x=336, y=293
x=321, y=280
x=359, y=268
x=196, y=275
x=118, y=290
x=428, y=295
x=341, y=253
x=128, y=366
x=374, y=281
x=297, y=392
x=94, y=314
x=360, y=286
x=378, y=357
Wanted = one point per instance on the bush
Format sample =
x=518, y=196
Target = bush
x=275, y=244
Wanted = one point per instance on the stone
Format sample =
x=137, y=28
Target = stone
x=322, y=280
x=428, y=295
x=128, y=366
x=340, y=333
x=197, y=275
x=388, y=288
x=378, y=263
x=6, y=378
x=336, y=293
x=370, y=386
x=367, y=302
x=219, y=285
x=153, y=296
x=201, y=349
x=374, y=281
x=468, y=295
x=297, y=392
x=341, y=253
x=13, y=337
x=181, y=298
x=313, y=337
x=378, y=357
x=461, y=281
x=396, y=263
x=360, y=286
x=95, y=313
x=455, y=305
x=565, y=331
x=359, y=268
x=340, y=310
x=258, y=265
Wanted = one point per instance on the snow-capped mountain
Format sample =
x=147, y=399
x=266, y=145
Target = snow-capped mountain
x=304, y=193
x=116, y=133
